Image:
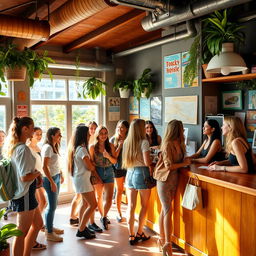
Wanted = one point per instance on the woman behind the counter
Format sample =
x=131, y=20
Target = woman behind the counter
x=211, y=148
x=239, y=152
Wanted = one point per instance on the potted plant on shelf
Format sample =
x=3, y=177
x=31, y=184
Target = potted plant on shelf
x=124, y=86
x=92, y=88
x=13, y=63
x=37, y=64
x=143, y=86
x=7, y=231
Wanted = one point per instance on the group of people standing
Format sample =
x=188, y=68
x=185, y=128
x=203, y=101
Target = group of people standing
x=95, y=162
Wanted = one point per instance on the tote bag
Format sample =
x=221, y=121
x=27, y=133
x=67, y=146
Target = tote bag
x=192, y=198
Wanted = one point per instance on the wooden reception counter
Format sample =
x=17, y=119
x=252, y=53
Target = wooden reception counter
x=226, y=226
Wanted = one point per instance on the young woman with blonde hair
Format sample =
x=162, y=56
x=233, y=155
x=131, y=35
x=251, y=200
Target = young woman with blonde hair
x=122, y=128
x=173, y=151
x=29, y=219
x=80, y=168
x=240, y=156
x=103, y=156
x=136, y=159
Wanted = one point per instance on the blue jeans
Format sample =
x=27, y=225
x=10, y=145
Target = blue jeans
x=52, y=199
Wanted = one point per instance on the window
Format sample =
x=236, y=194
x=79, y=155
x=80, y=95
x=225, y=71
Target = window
x=5, y=106
x=56, y=103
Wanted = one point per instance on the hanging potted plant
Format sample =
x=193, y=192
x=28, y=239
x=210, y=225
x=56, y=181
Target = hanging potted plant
x=7, y=231
x=124, y=87
x=92, y=88
x=14, y=63
x=37, y=65
x=143, y=86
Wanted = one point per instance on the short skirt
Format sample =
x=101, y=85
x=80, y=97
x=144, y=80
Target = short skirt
x=82, y=183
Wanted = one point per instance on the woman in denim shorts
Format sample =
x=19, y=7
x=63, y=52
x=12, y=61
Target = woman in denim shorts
x=136, y=159
x=122, y=128
x=103, y=156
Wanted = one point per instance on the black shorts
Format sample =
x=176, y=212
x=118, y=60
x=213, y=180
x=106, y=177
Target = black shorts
x=118, y=173
x=27, y=202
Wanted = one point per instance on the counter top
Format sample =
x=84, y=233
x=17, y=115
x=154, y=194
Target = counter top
x=245, y=183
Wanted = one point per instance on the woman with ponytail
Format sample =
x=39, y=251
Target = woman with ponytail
x=80, y=168
x=29, y=219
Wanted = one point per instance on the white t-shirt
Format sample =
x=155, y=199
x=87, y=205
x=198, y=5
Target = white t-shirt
x=53, y=163
x=39, y=164
x=144, y=148
x=81, y=175
x=23, y=163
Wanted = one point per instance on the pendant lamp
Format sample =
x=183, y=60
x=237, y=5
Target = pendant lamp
x=227, y=61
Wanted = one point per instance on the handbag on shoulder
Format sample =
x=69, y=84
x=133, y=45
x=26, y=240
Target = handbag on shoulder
x=192, y=198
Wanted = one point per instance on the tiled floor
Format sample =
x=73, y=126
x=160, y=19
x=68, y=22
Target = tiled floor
x=113, y=242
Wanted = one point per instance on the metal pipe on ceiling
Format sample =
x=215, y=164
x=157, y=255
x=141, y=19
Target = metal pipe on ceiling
x=189, y=32
x=181, y=14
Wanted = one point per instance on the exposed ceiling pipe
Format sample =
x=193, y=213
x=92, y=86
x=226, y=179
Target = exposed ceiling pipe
x=24, y=28
x=195, y=10
x=146, y=5
x=189, y=32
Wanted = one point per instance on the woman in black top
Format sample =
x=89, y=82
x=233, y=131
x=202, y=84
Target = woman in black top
x=211, y=148
x=240, y=156
x=151, y=133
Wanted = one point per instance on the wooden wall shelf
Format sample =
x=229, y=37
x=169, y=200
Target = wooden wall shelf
x=230, y=79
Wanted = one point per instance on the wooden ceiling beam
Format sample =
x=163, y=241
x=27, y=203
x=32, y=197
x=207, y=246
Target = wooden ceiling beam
x=102, y=31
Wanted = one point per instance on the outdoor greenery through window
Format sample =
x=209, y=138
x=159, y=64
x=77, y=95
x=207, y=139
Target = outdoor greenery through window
x=55, y=103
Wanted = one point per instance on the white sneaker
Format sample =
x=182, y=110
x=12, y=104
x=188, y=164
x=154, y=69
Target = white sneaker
x=53, y=237
x=58, y=231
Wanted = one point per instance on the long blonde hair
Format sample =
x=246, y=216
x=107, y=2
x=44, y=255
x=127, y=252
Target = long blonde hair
x=14, y=134
x=237, y=129
x=132, y=144
x=174, y=131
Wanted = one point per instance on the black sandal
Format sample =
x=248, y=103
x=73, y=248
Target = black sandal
x=141, y=237
x=132, y=240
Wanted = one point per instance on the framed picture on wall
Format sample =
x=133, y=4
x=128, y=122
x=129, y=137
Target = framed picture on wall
x=232, y=99
x=252, y=99
x=156, y=110
x=254, y=140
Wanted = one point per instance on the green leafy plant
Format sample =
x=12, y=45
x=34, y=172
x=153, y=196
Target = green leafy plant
x=123, y=84
x=92, y=88
x=246, y=84
x=144, y=84
x=7, y=231
x=37, y=63
x=219, y=29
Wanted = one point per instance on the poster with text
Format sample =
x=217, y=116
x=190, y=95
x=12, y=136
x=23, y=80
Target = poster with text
x=145, y=108
x=133, y=106
x=22, y=110
x=184, y=63
x=113, y=108
x=172, y=71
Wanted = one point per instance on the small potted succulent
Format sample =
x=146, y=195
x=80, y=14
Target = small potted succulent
x=124, y=87
x=143, y=86
x=7, y=231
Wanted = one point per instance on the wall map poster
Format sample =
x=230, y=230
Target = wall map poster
x=172, y=71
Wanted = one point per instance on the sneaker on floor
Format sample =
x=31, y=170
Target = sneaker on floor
x=108, y=220
x=119, y=218
x=95, y=227
x=58, y=231
x=91, y=230
x=104, y=222
x=74, y=222
x=53, y=237
x=85, y=233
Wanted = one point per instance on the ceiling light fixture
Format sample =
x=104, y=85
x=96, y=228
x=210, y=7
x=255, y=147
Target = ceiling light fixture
x=227, y=61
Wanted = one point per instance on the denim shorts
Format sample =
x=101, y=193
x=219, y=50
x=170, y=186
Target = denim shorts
x=135, y=177
x=106, y=174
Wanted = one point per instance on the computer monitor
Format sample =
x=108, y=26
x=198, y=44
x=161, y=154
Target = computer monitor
x=220, y=120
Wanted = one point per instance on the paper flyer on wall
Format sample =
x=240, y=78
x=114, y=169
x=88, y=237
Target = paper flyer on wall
x=113, y=108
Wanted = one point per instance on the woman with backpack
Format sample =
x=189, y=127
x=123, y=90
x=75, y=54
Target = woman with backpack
x=29, y=219
x=52, y=179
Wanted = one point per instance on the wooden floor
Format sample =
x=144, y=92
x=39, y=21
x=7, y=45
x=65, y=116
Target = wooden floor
x=113, y=242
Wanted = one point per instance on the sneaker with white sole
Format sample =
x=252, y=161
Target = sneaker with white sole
x=58, y=231
x=53, y=237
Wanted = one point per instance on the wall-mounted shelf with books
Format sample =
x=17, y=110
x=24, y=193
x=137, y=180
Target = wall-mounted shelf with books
x=230, y=79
